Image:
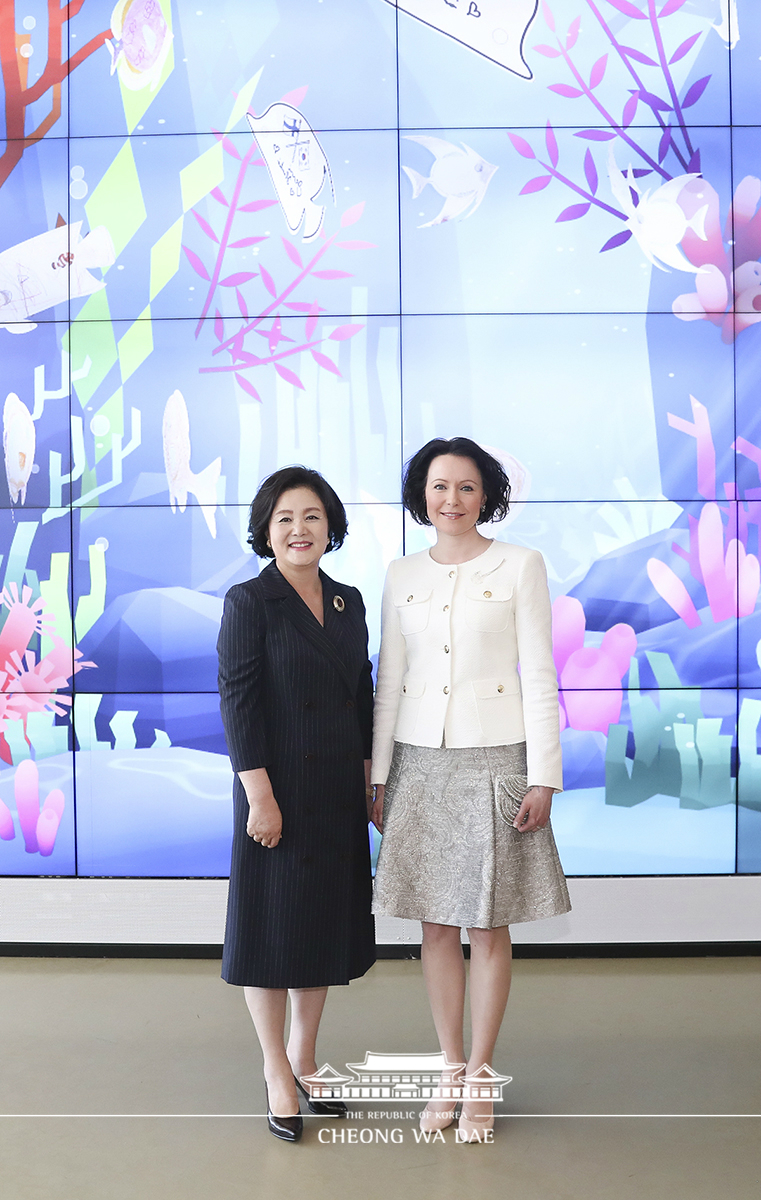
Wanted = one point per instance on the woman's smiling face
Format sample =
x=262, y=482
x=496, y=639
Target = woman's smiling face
x=454, y=494
x=298, y=529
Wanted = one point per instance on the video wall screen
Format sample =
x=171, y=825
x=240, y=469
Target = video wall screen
x=236, y=234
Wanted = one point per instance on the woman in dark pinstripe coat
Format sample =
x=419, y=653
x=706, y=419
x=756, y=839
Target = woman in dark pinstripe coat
x=296, y=698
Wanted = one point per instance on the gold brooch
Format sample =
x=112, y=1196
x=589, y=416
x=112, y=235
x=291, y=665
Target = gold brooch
x=338, y=603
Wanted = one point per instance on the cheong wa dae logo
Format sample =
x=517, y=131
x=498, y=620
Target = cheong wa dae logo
x=396, y=1077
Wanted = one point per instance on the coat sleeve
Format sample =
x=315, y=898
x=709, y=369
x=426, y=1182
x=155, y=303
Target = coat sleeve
x=240, y=647
x=539, y=685
x=392, y=665
x=365, y=694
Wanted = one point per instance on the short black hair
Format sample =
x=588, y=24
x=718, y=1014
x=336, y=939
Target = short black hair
x=269, y=492
x=494, y=479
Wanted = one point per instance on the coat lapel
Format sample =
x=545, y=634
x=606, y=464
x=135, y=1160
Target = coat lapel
x=276, y=587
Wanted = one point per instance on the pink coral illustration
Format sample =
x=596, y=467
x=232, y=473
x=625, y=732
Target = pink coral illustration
x=29, y=684
x=39, y=827
x=718, y=557
x=590, y=677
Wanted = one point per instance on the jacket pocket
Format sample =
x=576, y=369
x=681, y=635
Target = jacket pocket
x=488, y=609
x=414, y=610
x=494, y=689
x=496, y=703
x=412, y=689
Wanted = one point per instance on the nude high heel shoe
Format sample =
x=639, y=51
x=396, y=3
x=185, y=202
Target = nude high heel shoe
x=430, y=1121
x=472, y=1129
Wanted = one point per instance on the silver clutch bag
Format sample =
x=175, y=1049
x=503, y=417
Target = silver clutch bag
x=509, y=793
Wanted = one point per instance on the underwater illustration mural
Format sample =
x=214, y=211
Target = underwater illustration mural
x=255, y=232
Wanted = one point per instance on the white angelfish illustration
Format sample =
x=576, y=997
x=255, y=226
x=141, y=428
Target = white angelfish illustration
x=47, y=269
x=142, y=40
x=181, y=480
x=658, y=222
x=297, y=165
x=458, y=174
x=19, y=441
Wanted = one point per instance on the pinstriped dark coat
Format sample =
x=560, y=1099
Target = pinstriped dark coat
x=297, y=699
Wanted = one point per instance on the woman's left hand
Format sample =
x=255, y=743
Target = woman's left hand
x=534, y=812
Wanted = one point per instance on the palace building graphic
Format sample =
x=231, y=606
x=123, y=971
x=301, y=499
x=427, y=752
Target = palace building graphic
x=405, y=1077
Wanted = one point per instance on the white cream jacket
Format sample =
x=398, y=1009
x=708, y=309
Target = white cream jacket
x=452, y=639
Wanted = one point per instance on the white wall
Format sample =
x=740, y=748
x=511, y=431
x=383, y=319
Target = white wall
x=192, y=911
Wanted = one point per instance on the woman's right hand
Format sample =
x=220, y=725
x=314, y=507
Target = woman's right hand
x=265, y=821
x=376, y=816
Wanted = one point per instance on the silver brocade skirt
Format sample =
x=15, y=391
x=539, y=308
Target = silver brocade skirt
x=449, y=853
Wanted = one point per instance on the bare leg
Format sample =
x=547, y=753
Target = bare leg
x=444, y=974
x=490, y=966
x=306, y=1009
x=267, y=1008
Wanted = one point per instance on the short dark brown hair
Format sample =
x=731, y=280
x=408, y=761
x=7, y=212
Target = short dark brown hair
x=270, y=491
x=494, y=479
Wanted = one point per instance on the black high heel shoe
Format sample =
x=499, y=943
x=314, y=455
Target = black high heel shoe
x=322, y=1108
x=288, y=1129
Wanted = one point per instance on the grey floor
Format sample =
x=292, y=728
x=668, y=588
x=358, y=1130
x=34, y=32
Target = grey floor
x=134, y=1079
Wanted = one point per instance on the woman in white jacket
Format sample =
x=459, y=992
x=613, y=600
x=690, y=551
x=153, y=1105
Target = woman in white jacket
x=466, y=751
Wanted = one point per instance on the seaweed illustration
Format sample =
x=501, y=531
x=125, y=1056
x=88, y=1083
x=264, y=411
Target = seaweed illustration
x=677, y=223
x=677, y=751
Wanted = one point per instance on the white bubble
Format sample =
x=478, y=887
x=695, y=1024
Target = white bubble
x=500, y=36
x=680, y=716
x=26, y=51
x=77, y=172
x=101, y=543
x=100, y=425
x=162, y=121
x=35, y=468
x=29, y=22
x=78, y=189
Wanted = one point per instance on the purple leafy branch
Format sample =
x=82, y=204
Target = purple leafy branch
x=588, y=90
x=626, y=54
x=670, y=7
x=540, y=182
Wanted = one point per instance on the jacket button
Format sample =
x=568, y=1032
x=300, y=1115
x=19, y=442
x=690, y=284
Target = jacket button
x=488, y=595
x=446, y=691
x=350, y=704
x=446, y=608
x=308, y=704
x=404, y=689
x=452, y=574
x=500, y=688
x=308, y=756
x=446, y=649
x=410, y=599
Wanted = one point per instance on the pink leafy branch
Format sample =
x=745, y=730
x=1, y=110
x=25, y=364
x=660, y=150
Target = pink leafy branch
x=242, y=359
x=223, y=241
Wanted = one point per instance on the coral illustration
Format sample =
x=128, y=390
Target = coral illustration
x=15, y=51
x=717, y=556
x=29, y=684
x=591, y=678
x=39, y=826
